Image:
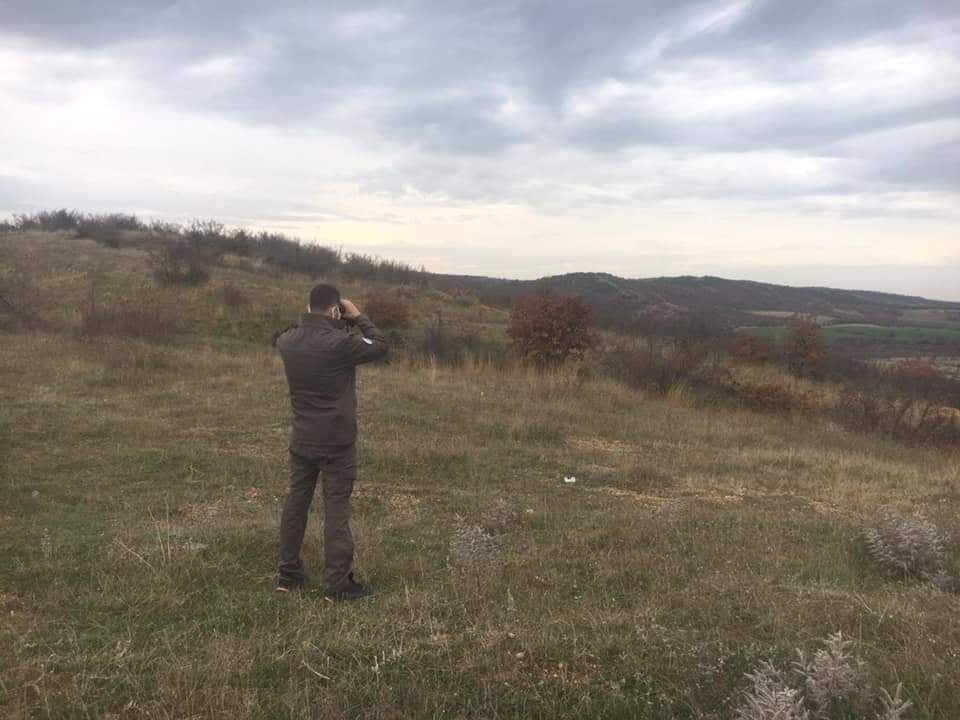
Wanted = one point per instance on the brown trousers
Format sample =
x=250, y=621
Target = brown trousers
x=339, y=469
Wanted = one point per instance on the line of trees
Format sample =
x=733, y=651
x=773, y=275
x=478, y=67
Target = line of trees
x=183, y=253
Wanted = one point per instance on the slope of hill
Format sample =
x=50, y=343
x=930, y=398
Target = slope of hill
x=141, y=480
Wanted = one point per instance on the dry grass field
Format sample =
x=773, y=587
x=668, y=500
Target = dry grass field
x=140, y=491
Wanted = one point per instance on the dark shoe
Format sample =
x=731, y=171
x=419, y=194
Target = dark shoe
x=287, y=587
x=350, y=589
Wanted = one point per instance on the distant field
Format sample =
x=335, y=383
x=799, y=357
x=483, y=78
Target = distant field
x=908, y=335
x=822, y=319
x=950, y=318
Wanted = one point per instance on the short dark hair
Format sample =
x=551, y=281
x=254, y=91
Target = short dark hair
x=324, y=296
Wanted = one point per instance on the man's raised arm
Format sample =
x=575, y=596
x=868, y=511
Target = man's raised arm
x=372, y=345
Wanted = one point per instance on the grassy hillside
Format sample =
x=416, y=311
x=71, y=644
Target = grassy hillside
x=141, y=482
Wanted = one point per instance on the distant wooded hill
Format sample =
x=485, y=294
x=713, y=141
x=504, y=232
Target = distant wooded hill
x=713, y=302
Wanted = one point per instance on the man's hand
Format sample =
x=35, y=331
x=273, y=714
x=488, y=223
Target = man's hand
x=350, y=311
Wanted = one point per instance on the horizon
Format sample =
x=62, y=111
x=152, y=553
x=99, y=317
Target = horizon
x=732, y=138
x=950, y=275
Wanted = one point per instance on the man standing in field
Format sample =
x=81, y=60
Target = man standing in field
x=319, y=359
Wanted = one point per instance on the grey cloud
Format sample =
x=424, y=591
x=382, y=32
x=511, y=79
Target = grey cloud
x=434, y=76
x=775, y=30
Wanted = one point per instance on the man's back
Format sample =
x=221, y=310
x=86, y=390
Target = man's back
x=319, y=359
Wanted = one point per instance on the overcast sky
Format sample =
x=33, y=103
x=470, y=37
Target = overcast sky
x=811, y=142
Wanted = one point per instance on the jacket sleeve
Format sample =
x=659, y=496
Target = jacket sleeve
x=278, y=333
x=370, y=346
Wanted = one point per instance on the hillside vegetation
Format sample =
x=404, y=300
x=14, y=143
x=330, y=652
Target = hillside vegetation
x=143, y=433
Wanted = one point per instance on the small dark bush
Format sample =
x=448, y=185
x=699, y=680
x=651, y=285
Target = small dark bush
x=772, y=397
x=899, y=417
x=388, y=310
x=51, y=220
x=180, y=263
x=359, y=265
x=100, y=230
x=163, y=228
x=453, y=347
x=286, y=254
x=657, y=364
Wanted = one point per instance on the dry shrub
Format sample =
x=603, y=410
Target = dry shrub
x=831, y=683
x=893, y=706
x=546, y=329
x=147, y=315
x=50, y=220
x=232, y=295
x=474, y=557
x=657, y=366
x=457, y=346
x=107, y=229
x=20, y=298
x=776, y=397
x=131, y=361
x=769, y=697
x=180, y=262
x=804, y=348
x=498, y=517
x=831, y=676
x=899, y=417
x=918, y=369
x=388, y=310
x=907, y=547
x=747, y=347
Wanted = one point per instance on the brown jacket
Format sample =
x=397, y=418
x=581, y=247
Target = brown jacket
x=319, y=358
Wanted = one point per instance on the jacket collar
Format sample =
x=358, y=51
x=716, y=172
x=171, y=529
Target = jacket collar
x=318, y=320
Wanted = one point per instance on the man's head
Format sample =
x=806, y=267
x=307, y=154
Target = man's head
x=325, y=299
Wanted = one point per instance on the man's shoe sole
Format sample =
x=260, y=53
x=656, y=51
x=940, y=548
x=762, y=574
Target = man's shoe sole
x=336, y=597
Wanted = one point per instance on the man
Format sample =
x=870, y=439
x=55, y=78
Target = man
x=319, y=359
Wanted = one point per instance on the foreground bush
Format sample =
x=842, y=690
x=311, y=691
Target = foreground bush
x=546, y=329
x=830, y=683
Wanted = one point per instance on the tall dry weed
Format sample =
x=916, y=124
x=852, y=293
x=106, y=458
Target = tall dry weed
x=907, y=547
x=830, y=683
x=769, y=697
x=831, y=675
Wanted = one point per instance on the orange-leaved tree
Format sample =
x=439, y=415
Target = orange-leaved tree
x=546, y=329
x=747, y=347
x=804, y=348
